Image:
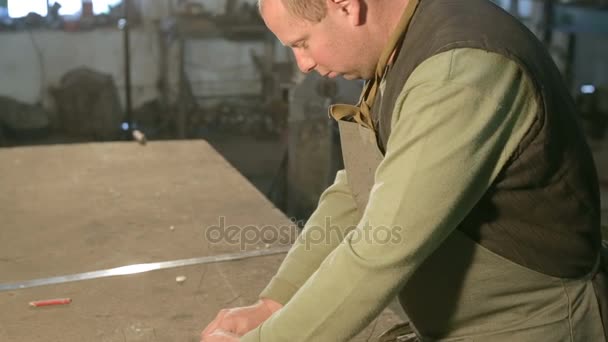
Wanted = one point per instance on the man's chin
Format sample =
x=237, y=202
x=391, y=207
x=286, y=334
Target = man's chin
x=351, y=77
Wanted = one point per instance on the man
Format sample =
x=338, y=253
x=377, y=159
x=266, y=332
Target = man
x=469, y=192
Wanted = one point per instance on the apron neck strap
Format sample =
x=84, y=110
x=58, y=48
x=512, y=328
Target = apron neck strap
x=362, y=112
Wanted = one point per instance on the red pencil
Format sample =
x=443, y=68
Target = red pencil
x=48, y=302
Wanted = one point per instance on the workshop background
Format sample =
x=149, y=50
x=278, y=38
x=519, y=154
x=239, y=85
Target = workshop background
x=73, y=72
x=135, y=90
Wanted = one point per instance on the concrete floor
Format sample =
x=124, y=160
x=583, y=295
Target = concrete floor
x=258, y=160
x=85, y=207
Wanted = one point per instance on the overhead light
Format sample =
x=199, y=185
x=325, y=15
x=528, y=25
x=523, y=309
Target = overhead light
x=587, y=89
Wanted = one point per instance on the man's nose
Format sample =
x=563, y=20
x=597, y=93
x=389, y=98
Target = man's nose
x=305, y=63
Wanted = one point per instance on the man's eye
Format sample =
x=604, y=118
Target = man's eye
x=300, y=45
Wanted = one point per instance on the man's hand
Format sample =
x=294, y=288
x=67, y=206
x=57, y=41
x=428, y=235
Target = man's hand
x=221, y=336
x=230, y=324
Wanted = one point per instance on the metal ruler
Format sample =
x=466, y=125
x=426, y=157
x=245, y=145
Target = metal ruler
x=141, y=268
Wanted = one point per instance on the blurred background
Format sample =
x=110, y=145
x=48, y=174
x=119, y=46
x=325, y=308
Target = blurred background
x=76, y=71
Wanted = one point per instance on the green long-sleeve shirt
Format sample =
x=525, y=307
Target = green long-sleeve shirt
x=458, y=119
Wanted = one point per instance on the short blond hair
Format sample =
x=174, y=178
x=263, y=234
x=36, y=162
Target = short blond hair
x=311, y=10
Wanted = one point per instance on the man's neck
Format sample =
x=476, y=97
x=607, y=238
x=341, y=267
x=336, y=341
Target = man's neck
x=388, y=13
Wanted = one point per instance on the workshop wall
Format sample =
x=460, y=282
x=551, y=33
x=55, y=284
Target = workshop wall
x=27, y=74
x=590, y=65
x=30, y=63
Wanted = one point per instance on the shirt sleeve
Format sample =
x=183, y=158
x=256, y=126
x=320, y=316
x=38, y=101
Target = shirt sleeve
x=459, y=118
x=335, y=215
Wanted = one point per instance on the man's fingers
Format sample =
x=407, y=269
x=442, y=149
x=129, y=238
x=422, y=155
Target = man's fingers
x=213, y=325
x=237, y=321
x=221, y=336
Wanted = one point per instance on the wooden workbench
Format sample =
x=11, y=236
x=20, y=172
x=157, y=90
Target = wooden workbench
x=69, y=209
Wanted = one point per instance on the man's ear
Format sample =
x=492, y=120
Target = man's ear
x=350, y=9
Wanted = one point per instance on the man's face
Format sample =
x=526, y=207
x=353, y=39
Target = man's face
x=336, y=46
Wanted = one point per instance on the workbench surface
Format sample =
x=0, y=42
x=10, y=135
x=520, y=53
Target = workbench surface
x=68, y=209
